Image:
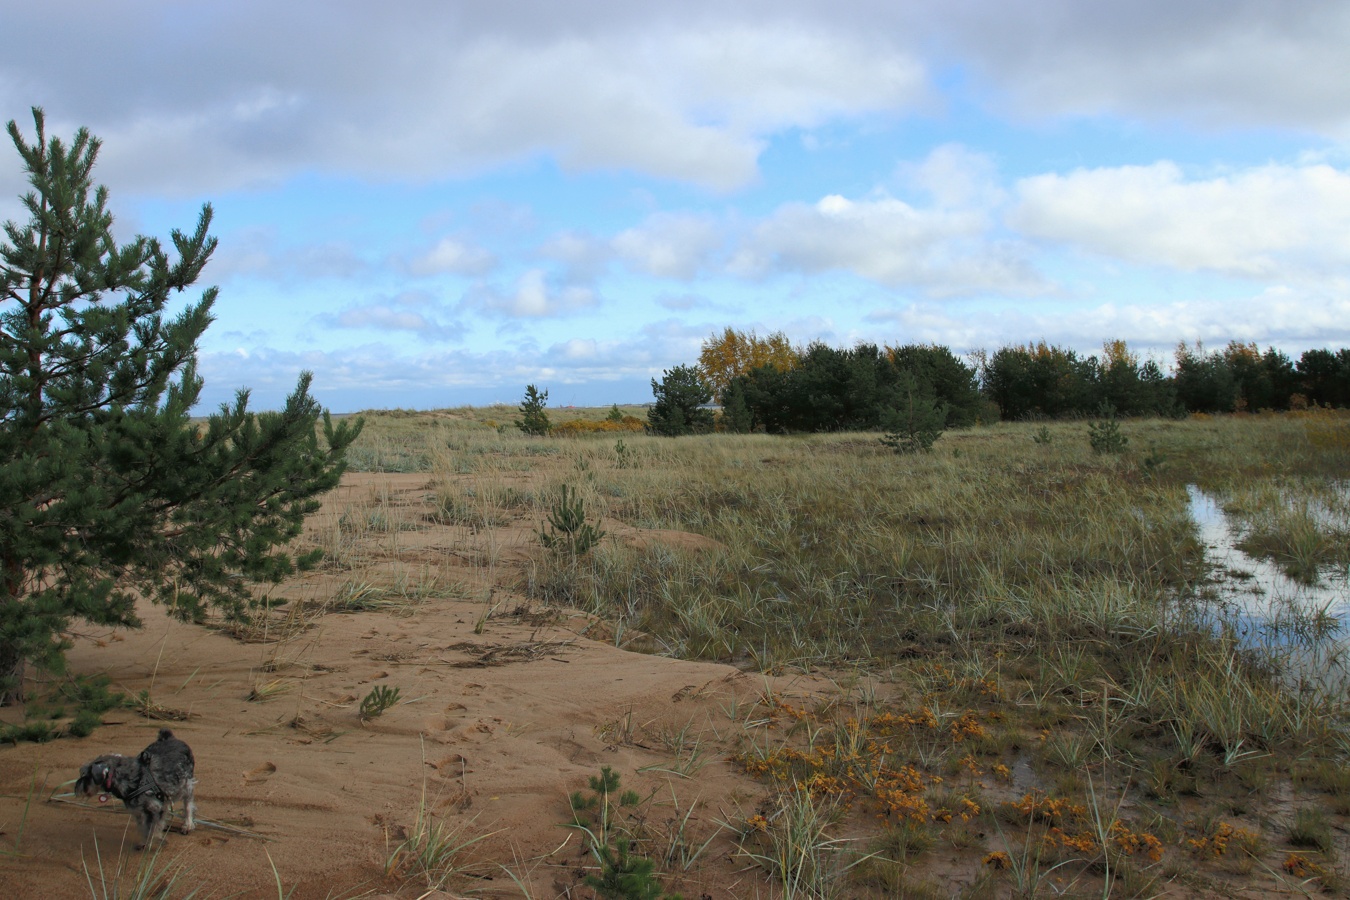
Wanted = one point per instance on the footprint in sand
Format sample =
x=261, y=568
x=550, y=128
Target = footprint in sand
x=260, y=773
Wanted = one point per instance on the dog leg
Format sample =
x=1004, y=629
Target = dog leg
x=191, y=805
x=145, y=823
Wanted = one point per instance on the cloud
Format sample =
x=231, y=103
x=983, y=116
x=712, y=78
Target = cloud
x=1252, y=63
x=412, y=311
x=943, y=252
x=248, y=94
x=533, y=298
x=453, y=256
x=259, y=253
x=671, y=245
x=685, y=302
x=1288, y=318
x=1270, y=222
x=575, y=369
x=955, y=177
x=584, y=258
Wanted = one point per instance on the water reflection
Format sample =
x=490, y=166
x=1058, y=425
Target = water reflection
x=1300, y=626
x=1257, y=587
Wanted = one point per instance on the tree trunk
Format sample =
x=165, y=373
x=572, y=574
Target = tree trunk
x=13, y=667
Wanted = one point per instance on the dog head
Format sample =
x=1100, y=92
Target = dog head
x=98, y=776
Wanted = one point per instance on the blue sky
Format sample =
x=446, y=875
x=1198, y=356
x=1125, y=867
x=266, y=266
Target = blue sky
x=430, y=204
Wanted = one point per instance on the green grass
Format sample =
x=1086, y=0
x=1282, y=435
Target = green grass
x=140, y=875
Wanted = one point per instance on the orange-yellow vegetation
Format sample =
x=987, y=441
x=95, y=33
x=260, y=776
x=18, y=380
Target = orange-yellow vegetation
x=858, y=764
x=598, y=426
x=1118, y=352
x=734, y=353
x=1039, y=807
x=1221, y=840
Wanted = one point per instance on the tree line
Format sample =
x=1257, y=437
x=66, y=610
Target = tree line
x=766, y=384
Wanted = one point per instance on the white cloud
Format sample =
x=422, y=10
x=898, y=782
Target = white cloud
x=259, y=253
x=944, y=252
x=955, y=176
x=1288, y=318
x=685, y=302
x=767, y=74
x=453, y=256
x=670, y=245
x=533, y=298
x=250, y=93
x=584, y=257
x=411, y=311
x=1268, y=222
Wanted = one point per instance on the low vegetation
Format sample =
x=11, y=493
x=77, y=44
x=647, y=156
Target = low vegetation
x=1034, y=672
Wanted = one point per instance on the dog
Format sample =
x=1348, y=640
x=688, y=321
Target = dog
x=148, y=784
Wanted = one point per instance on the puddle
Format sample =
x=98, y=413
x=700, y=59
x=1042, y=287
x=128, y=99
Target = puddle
x=1257, y=587
x=1302, y=624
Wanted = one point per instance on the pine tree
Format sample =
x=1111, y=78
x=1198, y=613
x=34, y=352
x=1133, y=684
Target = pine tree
x=736, y=415
x=533, y=420
x=108, y=490
x=678, y=409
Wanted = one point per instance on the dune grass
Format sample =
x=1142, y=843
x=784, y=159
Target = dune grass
x=1034, y=611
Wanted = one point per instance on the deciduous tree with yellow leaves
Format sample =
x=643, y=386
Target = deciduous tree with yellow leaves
x=735, y=352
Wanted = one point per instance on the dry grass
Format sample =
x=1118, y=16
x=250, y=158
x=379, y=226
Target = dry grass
x=1033, y=613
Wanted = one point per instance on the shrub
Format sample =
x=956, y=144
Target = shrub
x=578, y=427
x=624, y=875
x=917, y=424
x=568, y=529
x=1104, y=435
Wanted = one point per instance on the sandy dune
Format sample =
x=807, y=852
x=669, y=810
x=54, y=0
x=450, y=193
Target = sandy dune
x=495, y=727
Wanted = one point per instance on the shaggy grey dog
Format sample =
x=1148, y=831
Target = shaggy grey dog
x=148, y=784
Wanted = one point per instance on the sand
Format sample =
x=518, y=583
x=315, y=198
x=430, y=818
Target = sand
x=496, y=724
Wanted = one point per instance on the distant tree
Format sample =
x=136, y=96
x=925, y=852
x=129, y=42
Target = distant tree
x=108, y=489
x=833, y=389
x=947, y=379
x=854, y=389
x=533, y=420
x=1280, y=374
x=769, y=397
x=1204, y=382
x=615, y=414
x=1324, y=377
x=1248, y=371
x=1159, y=393
x=1104, y=435
x=1040, y=380
x=734, y=353
x=679, y=397
x=736, y=417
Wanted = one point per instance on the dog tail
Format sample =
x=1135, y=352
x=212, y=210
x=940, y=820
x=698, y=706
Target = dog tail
x=165, y=734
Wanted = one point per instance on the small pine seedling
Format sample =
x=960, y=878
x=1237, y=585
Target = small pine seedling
x=377, y=701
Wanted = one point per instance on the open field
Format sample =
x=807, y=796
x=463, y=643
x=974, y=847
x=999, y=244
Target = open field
x=827, y=670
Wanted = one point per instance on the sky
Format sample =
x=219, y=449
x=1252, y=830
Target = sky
x=431, y=204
